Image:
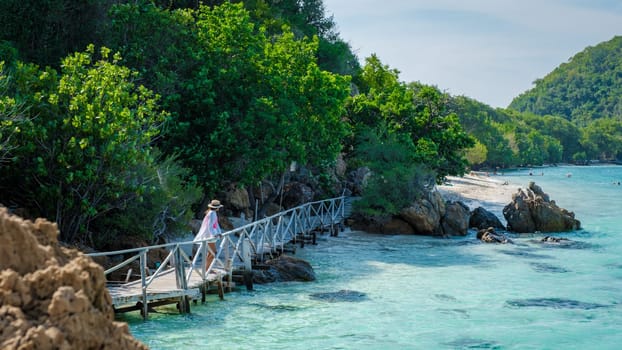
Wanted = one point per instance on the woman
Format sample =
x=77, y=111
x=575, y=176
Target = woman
x=210, y=229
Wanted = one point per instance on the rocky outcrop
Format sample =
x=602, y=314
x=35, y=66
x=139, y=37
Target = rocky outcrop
x=531, y=210
x=237, y=199
x=295, y=194
x=425, y=214
x=384, y=225
x=52, y=297
x=357, y=180
x=482, y=218
x=430, y=216
x=489, y=235
x=285, y=268
x=455, y=222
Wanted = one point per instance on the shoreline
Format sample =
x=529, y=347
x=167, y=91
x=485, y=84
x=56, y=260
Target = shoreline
x=475, y=190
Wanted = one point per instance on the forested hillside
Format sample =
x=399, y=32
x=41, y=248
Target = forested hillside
x=587, y=91
x=587, y=87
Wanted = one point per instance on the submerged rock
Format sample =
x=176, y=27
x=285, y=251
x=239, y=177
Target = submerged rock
x=551, y=239
x=490, y=236
x=285, y=268
x=555, y=303
x=342, y=295
x=531, y=210
x=53, y=297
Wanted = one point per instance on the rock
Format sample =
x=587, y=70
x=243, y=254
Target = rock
x=285, y=269
x=532, y=210
x=424, y=215
x=490, y=236
x=53, y=297
x=237, y=199
x=397, y=226
x=295, y=194
x=381, y=225
x=551, y=239
x=482, y=218
x=357, y=180
x=455, y=222
x=341, y=295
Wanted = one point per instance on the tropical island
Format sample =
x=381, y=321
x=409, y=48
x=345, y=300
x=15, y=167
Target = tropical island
x=120, y=121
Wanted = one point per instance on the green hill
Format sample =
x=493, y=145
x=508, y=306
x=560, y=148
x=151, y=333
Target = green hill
x=587, y=87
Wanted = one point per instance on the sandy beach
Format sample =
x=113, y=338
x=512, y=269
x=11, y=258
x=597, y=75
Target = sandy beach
x=475, y=190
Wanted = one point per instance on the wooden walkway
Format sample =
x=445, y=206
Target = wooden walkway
x=181, y=278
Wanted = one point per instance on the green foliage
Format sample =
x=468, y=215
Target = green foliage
x=419, y=112
x=485, y=124
x=10, y=118
x=254, y=104
x=602, y=139
x=477, y=154
x=45, y=31
x=164, y=209
x=396, y=180
x=88, y=136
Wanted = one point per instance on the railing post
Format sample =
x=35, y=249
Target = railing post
x=246, y=254
x=143, y=282
x=180, y=279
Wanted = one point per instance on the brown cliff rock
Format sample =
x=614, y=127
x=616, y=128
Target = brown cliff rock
x=532, y=210
x=53, y=297
x=424, y=215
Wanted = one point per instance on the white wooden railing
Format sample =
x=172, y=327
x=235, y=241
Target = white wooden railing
x=237, y=248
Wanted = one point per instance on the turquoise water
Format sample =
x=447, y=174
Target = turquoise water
x=429, y=293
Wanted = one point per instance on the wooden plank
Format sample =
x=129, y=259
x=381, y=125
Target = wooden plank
x=162, y=287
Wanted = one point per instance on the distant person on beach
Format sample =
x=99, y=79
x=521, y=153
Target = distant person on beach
x=210, y=229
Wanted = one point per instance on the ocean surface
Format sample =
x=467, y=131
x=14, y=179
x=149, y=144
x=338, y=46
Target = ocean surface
x=413, y=292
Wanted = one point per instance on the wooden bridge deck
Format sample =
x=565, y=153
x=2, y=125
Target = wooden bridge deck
x=163, y=287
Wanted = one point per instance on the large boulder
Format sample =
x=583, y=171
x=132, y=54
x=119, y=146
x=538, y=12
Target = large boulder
x=425, y=214
x=531, y=210
x=285, y=268
x=295, y=194
x=53, y=297
x=455, y=222
x=237, y=199
x=383, y=225
x=482, y=218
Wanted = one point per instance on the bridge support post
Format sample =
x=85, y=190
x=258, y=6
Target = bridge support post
x=246, y=254
x=180, y=278
x=143, y=281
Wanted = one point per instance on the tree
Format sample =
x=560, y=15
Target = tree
x=476, y=155
x=415, y=110
x=45, y=31
x=90, y=134
x=396, y=180
x=254, y=105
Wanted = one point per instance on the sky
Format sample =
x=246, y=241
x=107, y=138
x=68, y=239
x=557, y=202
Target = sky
x=489, y=50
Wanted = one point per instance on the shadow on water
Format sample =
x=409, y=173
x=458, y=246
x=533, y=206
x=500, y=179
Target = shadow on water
x=472, y=343
x=460, y=313
x=277, y=307
x=554, y=303
x=544, y=267
x=527, y=253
